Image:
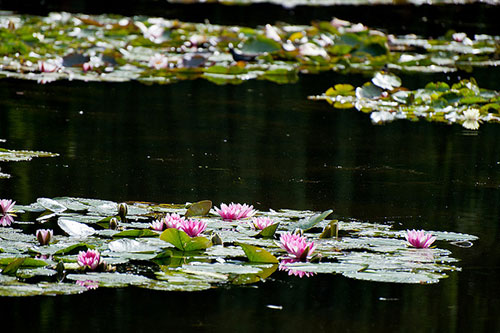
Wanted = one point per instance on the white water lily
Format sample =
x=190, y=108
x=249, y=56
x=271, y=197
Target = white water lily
x=471, y=118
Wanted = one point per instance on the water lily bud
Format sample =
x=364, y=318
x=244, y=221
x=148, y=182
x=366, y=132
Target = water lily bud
x=44, y=236
x=113, y=223
x=216, y=240
x=122, y=210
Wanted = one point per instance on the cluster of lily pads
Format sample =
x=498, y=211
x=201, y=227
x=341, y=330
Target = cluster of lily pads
x=115, y=48
x=71, y=245
x=386, y=100
x=8, y=155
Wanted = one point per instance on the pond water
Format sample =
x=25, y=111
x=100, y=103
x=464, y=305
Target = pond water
x=264, y=144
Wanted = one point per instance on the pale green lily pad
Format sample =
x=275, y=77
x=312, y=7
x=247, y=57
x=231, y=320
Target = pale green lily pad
x=113, y=280
x=363, y=250
x=463, y=103
x=44, y=288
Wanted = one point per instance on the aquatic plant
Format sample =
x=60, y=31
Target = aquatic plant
x=172, y=220
x=419, y=239
x=90, y=259
x=157, y=225
x=297, y=245
x=152, y=49
x=6, y=206
x=175, y=260
x=385, y=99
x=193, y=227
x=261, y=223
x=44, y=236
x=235, y=211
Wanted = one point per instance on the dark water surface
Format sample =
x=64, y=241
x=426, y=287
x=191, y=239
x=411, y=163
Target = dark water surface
x=264, y=144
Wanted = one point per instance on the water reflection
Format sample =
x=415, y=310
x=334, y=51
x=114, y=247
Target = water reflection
x=267, y=145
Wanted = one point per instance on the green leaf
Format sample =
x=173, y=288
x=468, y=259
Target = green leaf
x=136, y=233
x=74, y=249
x=268, y=231
x=308, y=223
x=260, y=45
x=200, y=208
x=12, y=268
x=183, y=242
x=257, y=254
x=331, y=230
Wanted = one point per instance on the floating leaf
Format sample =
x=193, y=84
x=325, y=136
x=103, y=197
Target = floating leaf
x=200, y=208
x=269, y=231
x=183, y=242
x=386, y=81
x=134, y=233
x=74, y=249
x=75, y=229
x=13, y=266
x=130, y=245
x=310, y=222
x=257, y=254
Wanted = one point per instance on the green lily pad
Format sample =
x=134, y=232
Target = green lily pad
x=257, y=254
x=183, y=242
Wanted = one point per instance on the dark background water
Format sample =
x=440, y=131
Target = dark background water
x=264, y=144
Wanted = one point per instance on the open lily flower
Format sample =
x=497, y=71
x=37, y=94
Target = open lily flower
x=419, y=239
x=91, y=259
x=6, y=220
x=235, y=211
x=472, y=119
x=193, y=227
x=44, y=236
x=48, y=66
x=173, y=220
x=157, y=225
x=261, y=223
x=6, y=206
x=158, y=61
x=283, y=266
x=297, y=245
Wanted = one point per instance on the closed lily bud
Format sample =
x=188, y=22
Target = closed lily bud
x=216, y=240
x=113, y=223
x=122, y=210
x=44, y=236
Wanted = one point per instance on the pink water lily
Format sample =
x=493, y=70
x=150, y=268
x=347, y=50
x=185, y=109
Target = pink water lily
x=172, y=220
x=235, y=211
x=419, y=239
x=48, y=66
x=6, y=220
x=297, y=245
x=283, y=266
x=261, y=223
x=44, y=236
x=6, y=206
x=89, y=284
x=91, y=259
x=193, y=227
x=157, y=225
